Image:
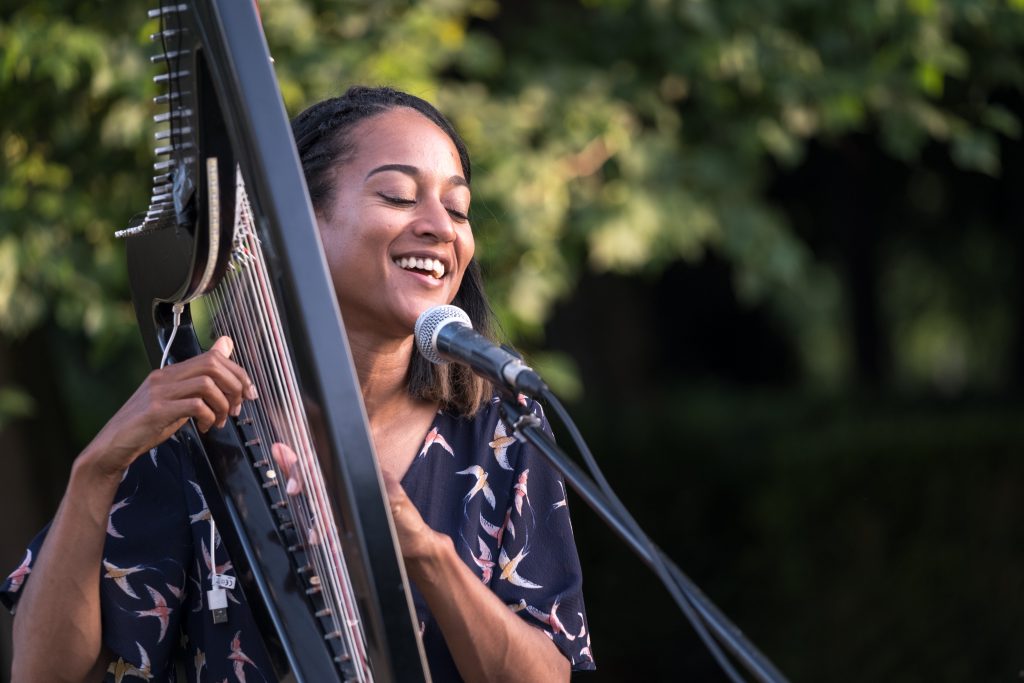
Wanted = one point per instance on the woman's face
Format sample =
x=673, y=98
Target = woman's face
x=396, y=234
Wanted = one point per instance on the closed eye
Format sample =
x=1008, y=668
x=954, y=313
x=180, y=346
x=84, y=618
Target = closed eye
x=458, y=215
x=397, y=201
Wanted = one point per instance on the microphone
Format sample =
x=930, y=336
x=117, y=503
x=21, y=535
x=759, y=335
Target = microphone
x=445, y=333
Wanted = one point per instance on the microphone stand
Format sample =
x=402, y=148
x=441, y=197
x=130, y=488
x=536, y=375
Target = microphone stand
x=527, y=427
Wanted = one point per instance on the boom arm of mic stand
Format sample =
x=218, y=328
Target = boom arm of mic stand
x=526, y=426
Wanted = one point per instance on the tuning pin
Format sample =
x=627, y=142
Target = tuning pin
x=170, y=76
x=169, y=9
x=167, y=56
x=164, y=134
x=167, y=98
x=165, y=34
x=177, y=113
x=167, y=149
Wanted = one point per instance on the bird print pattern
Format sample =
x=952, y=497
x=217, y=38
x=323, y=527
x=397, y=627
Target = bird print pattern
x=470, y=479
x=510, y=526
x=154, y=576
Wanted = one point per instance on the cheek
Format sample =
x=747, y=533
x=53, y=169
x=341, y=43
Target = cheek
x=467, y=246
x=338, y=251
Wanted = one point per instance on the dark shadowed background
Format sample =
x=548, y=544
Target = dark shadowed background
x=771, y=254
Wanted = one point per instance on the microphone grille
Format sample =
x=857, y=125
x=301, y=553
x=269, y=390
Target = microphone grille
x=430, y=323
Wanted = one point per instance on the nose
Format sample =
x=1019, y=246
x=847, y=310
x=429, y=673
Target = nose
x=434, y=222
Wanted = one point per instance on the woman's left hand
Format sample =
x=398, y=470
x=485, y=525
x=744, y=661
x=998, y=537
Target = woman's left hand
x=416, y=539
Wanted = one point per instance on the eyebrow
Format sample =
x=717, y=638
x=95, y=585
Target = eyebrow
x=413, y=172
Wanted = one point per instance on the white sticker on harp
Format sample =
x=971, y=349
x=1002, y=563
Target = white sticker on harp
x=224, y=581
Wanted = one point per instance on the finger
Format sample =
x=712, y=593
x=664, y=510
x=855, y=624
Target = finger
x=224, y=346
x=176, y=412
x=206, y=389
x=394, y=490
x=286, y=459
x=398, y=500
x=229, y=377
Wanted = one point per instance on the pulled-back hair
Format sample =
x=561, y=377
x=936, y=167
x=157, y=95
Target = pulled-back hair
x=323, y=135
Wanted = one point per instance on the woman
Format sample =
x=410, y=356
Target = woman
x=481, y=521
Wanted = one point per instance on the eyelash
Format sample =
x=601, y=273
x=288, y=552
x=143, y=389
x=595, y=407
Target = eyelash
x=400, y=201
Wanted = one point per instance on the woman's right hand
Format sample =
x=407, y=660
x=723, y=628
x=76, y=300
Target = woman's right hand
x=208, y=387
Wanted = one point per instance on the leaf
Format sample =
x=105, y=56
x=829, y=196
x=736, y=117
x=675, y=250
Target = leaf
x=977, y=150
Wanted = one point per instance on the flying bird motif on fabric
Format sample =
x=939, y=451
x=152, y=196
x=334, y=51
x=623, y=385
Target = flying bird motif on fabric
x=119, y=505
x=497, y=532
x=481, y=484
x=17, y=577
x=521, y=492
x=199, y=661
x=492, y=530
x=485, y=561
x=239, y=658
x=508, y=569
x=121, y=668
x=562, y=503
x=204, y=514
x=434, y=437
x=552, y=620
x=175, y=590
x=508, y=526
x=500, y=445
x=585, y=652
x=120, y=576
x=160, y=610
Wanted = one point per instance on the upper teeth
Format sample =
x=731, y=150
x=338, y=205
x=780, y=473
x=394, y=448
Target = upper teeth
x=432, y=265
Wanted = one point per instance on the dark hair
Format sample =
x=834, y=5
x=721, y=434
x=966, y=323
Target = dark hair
x=323, y=135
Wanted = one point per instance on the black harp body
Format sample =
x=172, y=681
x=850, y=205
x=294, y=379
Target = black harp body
x=220, y=114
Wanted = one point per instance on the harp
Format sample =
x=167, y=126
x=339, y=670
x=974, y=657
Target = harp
x=322, y=573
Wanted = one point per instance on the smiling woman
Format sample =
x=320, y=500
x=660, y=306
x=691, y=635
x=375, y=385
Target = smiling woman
x=394, y=172
x=481, y=519
x=383, y=212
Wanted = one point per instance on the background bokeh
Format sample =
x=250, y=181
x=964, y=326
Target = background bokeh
x=771, y=252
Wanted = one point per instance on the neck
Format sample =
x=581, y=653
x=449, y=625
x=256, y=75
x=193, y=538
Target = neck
x=382, y=368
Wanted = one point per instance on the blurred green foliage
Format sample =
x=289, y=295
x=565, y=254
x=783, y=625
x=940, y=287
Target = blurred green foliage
x=607, y=135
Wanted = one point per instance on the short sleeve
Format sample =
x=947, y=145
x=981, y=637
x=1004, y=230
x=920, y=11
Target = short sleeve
x=142, y=578
x=10, y=589
x=538, y=570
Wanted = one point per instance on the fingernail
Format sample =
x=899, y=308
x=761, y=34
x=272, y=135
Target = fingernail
x=250, y=393
x=237, y=410
x=293, y=487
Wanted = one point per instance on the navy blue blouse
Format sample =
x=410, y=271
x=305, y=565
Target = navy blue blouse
x=498, y=499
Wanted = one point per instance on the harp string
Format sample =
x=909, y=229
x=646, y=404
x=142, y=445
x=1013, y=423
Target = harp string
x=243, y=307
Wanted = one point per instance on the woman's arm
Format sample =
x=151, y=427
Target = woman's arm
x=487, y=640
x=57, y=629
